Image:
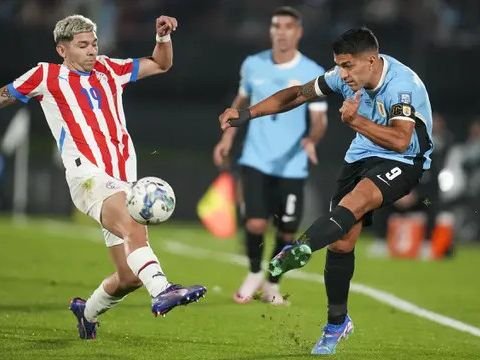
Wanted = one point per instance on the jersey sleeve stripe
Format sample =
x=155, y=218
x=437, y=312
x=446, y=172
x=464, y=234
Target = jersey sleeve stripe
x=135, y=69
x=321, y=87
x=17, y=95
x=404, y=118
x=75, y=130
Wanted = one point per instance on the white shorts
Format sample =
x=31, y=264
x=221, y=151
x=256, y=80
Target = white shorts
x=89, y=187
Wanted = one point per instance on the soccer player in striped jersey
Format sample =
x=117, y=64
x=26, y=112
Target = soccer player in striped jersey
x=82, y=102
x=387, y=105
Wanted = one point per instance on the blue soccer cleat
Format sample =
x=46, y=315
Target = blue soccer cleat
x=176, y=295
x=87, y=330
x=332, y=334
x=290, y=257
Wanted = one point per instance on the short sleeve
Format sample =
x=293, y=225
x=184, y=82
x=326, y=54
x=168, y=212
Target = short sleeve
x=244, y=88
x=329, y=82
x=402, y=100
x=29, y=85
x=123, y=70
x=318, y=105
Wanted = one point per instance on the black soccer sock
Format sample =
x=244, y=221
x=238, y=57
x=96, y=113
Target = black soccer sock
x=338, y=272
x=254, y=247
x=328, y=229
x=279, y=245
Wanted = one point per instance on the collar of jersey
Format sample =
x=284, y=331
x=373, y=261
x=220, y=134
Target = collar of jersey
x=289, y=64
x=384, y=74
x=78, y=72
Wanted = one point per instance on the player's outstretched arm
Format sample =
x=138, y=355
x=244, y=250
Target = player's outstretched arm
x=279, y=102
x=5, y=97
x=162, y=57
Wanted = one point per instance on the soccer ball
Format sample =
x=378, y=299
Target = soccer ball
x=150, y=200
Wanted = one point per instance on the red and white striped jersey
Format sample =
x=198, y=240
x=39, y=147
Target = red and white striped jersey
x=85, y=112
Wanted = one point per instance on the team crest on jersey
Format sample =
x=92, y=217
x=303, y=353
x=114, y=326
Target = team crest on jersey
x=294, y=83
x=111, y=185
x=381, y=109
x=101, y=76
x=405, y=97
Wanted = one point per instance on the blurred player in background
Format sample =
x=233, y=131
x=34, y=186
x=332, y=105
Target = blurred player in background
x=387, y=105
x=276, y=150
x=82, y=102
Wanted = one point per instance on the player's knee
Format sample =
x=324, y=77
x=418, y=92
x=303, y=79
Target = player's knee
x=256, y=226
x=341, y=246
x=133, y=231
x=360, y=201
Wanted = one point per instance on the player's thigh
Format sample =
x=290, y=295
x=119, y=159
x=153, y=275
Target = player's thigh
x=288, y=200
x=350, y=175
x=89, y=187
x=116, y=218
x=348, y=242
x=255, y=193
x=394, y=179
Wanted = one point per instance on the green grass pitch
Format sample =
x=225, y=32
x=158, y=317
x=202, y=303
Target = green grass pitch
x=44, y=263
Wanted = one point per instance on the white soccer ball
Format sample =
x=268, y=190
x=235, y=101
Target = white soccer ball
x=150, y=200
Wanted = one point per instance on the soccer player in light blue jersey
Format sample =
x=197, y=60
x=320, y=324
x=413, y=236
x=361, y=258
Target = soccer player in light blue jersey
x=387, y=105
x=274, y=160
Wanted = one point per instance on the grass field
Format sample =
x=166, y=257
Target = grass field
x=43, y=263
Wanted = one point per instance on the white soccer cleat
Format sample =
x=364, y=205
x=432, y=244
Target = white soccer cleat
x=271, y=294
x=250, y=286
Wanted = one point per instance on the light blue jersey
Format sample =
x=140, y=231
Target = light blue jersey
x=272, y=144
x=399, y=95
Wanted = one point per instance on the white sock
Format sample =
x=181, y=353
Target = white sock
x=99, y=302
x=146, y=266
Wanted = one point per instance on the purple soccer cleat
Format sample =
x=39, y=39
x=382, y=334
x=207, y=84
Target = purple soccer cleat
x=86, y=330
x=175, y=295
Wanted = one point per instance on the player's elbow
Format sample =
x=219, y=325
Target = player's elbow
x=400, y=144
x=165, y=66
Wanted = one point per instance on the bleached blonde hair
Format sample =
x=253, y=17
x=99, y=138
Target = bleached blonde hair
x=66, y=28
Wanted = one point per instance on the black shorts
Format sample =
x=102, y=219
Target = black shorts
x=266, y=195
x=394, y=179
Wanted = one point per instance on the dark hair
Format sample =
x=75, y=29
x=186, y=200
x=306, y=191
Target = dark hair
x=355, y=41
x=288, y=11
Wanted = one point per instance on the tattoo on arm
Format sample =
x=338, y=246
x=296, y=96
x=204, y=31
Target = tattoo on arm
x=5, y=97
x=308, y=90
x=6, y=93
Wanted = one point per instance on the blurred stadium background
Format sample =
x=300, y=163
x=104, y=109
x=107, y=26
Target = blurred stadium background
x=173, y=118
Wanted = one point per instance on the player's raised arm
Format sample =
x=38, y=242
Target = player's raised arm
x=162, y=57
x=279, y=102
x=5, y=97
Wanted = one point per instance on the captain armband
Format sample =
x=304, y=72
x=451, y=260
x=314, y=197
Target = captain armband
x=402, y=111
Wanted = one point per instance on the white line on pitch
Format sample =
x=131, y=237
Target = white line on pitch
x=379, y=295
